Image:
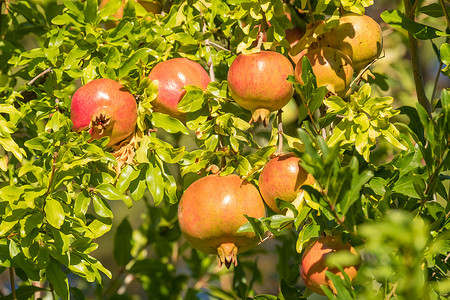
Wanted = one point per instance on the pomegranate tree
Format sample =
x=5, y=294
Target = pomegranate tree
x=357, y=36
x=172, y=76
x=313, y=266
x=282, y=178
x=258, y=82
x=212, y=209
x=105, y=108
x=332, y=68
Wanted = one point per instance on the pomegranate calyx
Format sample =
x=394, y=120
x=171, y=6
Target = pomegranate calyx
x=100, y=122
x=227, y=253
x=261, y=114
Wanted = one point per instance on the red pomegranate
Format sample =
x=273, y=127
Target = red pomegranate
x=332, y=68
x=173, y=75
x=212, y=209
x=106, y=108
x=258, y=82
x=313, y=266
x=357, y=36
x=282, y=178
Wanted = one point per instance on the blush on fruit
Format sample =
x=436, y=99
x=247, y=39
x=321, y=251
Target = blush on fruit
x=313, y=266
x=105, y=108
x=211, y=211
x=172, y=76
x=282, y=178
x=332, y=68
x=258, y=82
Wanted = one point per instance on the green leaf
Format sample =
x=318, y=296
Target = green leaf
x=168, y=123
x=16, y=254
x=257, y=226
x=54, y=212
x=339, y=284
x=122, y=243
x=192, y=100
x=24, y=292
x=58, y=279
x=111, y=193
x=132, y=62
x=397, y=19
x=155, y=181
x=90, y=11
x=434, y=10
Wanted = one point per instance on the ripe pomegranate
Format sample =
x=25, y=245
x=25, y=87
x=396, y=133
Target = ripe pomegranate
x=282, y=178
x=257, y=82
x=332, y=68
x=150, y=6
x=293, y=35
x=106, y=108
x=313, y=266
x=172, y=76
x=357, y=36
x=212, y=209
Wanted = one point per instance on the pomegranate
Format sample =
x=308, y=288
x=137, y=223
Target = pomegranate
x=172, y=76
x=149, y=5
x=332, y=68
x=357, y=36
x=282, y=178
x=106, y=108
x=293, y=35
x=212, y=209
x=257, y=82
x=313, y=266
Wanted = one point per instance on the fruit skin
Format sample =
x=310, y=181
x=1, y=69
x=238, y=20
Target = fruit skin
x=313, y=266
x=106, y=108
x=172, y=76
x=212, y=209
x=258, y=82
x=282, y=178
x=357, y=36
x=150, y=6
x=332, y=68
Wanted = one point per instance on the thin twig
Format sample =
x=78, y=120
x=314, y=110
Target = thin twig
x=218, y=46
x=13, y=285
x=262, y=31
x=436, y=81
x=447, y=17
x=42, y=74
x=50, y=184
x=415, y=62
x=309, y=113
x=53, y=291
x=279, y=150
x=360, y=74
x=9, y=236
x=311, y=12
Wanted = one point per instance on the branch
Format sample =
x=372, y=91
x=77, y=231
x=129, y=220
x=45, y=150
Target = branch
x=46, y=71
x=279, y=150
x=218, y=46
x=13, y=285
x=311, y=12
x=262, y=30
x=309, y=113
x=415, y=62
